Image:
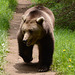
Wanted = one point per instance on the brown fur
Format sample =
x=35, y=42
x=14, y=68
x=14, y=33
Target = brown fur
x=37, y=28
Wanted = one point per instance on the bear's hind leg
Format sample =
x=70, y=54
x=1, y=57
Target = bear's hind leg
x=46, y=48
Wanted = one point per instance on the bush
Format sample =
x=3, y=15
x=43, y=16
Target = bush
x=65, y=16
x=12, y=4
x=6, y=7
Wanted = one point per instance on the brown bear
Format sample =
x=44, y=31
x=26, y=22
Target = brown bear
x=37, y=28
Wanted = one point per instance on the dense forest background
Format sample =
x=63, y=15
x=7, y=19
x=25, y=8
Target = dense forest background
x=64, y=11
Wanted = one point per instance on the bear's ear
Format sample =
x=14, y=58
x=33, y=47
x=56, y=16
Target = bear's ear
x=40, y=20
x=23, y=18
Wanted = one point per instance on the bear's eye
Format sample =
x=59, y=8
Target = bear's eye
x=24, y=21
x=24, y=32
x=30, y=31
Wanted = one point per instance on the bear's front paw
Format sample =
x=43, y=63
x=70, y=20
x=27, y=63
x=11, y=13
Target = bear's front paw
x=27, y=60
x=43, y=69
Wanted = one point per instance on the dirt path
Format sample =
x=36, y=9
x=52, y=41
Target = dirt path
x=15, y=65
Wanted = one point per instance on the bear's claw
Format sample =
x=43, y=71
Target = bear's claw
x=43, y=69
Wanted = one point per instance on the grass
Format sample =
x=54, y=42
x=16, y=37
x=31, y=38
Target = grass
x=6, y=12
x=64, y=62
x=3, y=50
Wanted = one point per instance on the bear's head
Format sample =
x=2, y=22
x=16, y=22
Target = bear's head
x=32, y=30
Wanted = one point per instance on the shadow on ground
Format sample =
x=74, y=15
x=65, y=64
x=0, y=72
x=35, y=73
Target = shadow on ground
x=26, y=68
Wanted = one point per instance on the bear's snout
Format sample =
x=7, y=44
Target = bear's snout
x=26, y=36
x=24, y=41
x=27, y=39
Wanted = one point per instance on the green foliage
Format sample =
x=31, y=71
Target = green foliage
x=43, y=1
x=12, y=4
x=64, y=51
x=5, y=15
x=3, y=50
x=65, y=15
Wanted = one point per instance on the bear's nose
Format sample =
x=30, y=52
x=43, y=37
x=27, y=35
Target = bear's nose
x=26, y=36
x=24, y=41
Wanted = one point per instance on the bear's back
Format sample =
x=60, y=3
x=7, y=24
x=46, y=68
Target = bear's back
x=48, y=11
x=38, y=11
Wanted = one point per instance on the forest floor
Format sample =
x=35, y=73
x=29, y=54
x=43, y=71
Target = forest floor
x=15, y=65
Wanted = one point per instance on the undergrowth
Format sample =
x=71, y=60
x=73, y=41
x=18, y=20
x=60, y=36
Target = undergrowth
x=6, y=12
x=64, y=51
